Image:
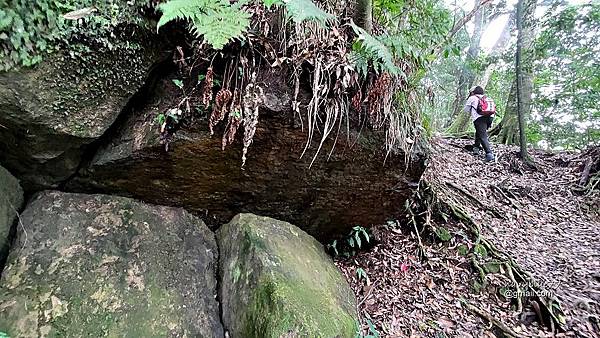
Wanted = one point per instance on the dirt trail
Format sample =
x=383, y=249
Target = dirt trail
x=549, y=230
x=534, y=216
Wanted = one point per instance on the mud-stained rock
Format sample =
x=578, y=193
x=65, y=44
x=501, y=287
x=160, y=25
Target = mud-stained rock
x=49, y=114
x=277, y=281
x=351, y=184
x=96, y=265
x=11, y=199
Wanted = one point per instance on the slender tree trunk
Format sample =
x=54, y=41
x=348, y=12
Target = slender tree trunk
x=507, y=130
x=363, y=16
x=522, y=104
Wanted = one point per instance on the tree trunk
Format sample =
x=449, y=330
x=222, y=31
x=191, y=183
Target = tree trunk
x=363, y=16
x=466, y=77
x=507, y=130
x=523, y=94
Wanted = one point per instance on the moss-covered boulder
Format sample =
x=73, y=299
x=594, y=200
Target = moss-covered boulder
x=50, y=113
x=96, y=265
x=277, y=281
x=11, y=199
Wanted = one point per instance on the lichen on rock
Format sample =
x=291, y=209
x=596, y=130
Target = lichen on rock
x=52, y=111
x=96, y=265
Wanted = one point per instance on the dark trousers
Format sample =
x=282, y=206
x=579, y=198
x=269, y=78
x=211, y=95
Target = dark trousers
x=482, y=124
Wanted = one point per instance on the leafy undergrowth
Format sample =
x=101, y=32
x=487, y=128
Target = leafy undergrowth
x=518, y=231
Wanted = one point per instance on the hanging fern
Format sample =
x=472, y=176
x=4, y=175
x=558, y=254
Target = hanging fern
x=301, y=10
x=217, y=21
x=369, y=48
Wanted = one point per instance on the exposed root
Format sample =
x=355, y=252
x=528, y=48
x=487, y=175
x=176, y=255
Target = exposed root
x=487, y=316
x=434, y=199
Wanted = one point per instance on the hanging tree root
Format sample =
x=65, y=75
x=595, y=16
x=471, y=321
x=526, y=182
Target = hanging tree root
x=524, y=287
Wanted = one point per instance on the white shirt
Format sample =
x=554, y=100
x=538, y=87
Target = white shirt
x=471, y=106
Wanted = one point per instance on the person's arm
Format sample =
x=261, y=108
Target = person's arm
x=469, y=104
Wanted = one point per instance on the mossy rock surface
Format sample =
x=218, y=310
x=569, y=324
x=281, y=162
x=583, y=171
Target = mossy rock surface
x=51, y=112
x=277, y=281
x=103, y=266
x=11, y=199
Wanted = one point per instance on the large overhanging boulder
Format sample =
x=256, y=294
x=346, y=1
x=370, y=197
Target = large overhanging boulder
x=356, y=185
x=97, y=266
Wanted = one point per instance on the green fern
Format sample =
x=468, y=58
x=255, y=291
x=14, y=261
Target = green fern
x=368, y=47
x=301, y=10
x=217, y=21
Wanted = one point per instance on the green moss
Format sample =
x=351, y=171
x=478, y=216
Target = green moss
x=95, y=309
x=288, y=283
x=282, y=305
x=30, y=31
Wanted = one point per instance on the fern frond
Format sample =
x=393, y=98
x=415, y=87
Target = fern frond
x=301, y=10
x=360, y=58
x=216, y=20
x=219, y=26
x=180, y=10
x=375, y=49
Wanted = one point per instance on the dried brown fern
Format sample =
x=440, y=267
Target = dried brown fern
x=219, y=108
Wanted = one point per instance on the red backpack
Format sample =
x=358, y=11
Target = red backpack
x=486, y=106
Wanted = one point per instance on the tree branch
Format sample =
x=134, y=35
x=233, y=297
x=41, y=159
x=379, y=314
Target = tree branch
x=458, y=25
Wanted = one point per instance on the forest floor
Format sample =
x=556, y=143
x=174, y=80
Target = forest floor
x=532, y=215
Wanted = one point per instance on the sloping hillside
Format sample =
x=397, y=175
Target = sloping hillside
x=532, y=219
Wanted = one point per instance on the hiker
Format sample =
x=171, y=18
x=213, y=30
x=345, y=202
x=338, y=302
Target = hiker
x=482, y=110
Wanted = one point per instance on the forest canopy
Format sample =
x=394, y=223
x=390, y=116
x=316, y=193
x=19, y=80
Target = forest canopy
x=564, y=67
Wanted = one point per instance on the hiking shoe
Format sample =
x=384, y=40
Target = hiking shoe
x=475, y=151
x=489, y=157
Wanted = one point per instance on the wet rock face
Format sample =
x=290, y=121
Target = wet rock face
x=11, y=199
x=49, y=114
x=96, y=265
x=277, y=281
x=356, y=185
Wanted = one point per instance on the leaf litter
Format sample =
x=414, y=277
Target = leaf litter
x=539, y=217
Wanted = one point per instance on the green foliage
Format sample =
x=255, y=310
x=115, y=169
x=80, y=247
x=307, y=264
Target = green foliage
x=372, y=333
x=369, y=48
x=421, y=24
x=480, y=250
x=362, y=275
x=354, y=240
x=304, y=10
x=351, y=244
x=443, y=234
x=567, y=76
x=31, y=29
x=178, y=83
x=463, y=250
x=217, y=21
